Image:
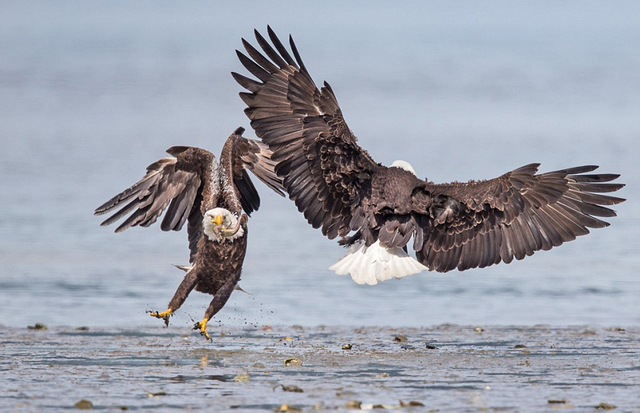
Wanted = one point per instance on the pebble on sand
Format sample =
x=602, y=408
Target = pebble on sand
x=83, y=405
x=293, y=362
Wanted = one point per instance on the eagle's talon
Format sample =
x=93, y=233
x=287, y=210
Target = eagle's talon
x=164, y=315
x=202, y=326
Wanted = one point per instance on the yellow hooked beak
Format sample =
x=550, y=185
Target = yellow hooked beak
x=217, y=220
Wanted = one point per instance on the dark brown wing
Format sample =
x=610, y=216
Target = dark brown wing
x=163, y=185
x=324, y=170
x=172, y=183
x=478, y=224
x=238, y=155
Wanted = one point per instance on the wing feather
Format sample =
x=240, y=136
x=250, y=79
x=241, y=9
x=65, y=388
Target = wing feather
x=164, y=183
x=322, y=168
x=514, y=215
x=239, y=155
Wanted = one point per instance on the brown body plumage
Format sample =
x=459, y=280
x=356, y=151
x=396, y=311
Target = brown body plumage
x=341, y=190
x=192, y=186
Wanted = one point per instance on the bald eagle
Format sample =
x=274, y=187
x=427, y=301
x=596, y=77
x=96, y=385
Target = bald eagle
x=211, y=197
x=377, y=209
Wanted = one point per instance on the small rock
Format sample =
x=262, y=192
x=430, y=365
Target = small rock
x=371, y=406
x=557, y=401
x=242, y=378
x=519, y=346
x=288, y=408
x=347, y=346
x=84, y=405
x=478, y=329
x=83, y=328
x=156, y=394
x=400, y=338
x=293, y=362
x=292, y=388
x=353, y=404
x=37, y=326
x=431, y=347
x=605, y=406
x=410, y=404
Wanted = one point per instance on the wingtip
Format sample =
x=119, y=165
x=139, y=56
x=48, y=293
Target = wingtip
x=176, y=150
x=245, y=43
x=258, y=35
x=239, y=131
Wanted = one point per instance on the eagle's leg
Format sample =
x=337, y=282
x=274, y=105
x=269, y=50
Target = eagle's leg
x=219, y=300
x=180, y=295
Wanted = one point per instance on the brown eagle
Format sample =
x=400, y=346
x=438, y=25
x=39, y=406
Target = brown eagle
x=377, y=209
x=211, y=197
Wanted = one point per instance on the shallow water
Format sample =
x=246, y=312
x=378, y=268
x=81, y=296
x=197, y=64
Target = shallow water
x=92, y=93
x=444, y=368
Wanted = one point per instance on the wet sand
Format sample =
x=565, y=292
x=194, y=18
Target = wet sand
x=255, y=369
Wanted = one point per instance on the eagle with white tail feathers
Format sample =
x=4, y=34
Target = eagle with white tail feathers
x=377, y=209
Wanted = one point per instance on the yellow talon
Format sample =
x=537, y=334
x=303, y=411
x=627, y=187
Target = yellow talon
x=165, y=315
x=202, y=326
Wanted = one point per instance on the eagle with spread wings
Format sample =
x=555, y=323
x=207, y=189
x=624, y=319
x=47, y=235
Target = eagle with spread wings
x=377, y=210
x=214, y=199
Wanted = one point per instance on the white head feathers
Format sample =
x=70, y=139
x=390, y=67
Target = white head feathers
x=220, y=224
x=404, y=165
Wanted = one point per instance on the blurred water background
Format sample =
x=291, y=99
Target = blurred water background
x=93, y=92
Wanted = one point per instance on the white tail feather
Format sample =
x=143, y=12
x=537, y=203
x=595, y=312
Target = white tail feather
x=368, y=265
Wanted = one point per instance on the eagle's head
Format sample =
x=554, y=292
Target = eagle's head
x=220, y=224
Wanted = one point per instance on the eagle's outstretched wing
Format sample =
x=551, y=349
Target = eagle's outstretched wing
x=482, y=223
x=323, y=169
x=164, y=184
x=173, y=182
x=238, y=155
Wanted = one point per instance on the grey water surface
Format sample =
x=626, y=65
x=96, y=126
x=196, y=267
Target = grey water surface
x=93, y=92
